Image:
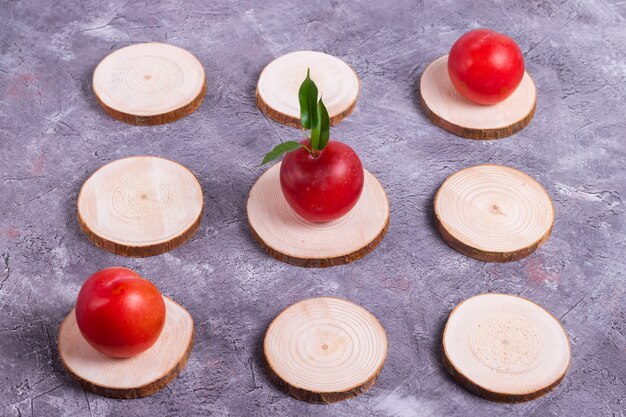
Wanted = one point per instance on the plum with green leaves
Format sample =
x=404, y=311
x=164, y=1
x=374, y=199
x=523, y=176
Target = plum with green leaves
x=321, y=179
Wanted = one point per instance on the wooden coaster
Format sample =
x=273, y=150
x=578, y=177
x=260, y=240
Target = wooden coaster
x=277, y=90
x=324, y=350
x=493, y=213
x=289, y=238
x=451, y=111
x=505, y=348
x=135, y=377
x=149, y=84
x=140, y=206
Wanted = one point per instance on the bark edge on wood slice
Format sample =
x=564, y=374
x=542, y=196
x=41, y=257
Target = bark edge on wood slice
x=149, y=84
x=287, y=237
x=459, y=116
x=140, y=206
x=505, y=348
x=324, y=350
x=126, y=378
x=279, y=82
x=493, y=213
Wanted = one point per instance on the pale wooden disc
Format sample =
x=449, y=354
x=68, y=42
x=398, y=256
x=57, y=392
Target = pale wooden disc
x=493, y=213
x=451, y=111
x=149, y=83
x=277, y=90
x=289, y=238
x=134, y=377
x=325, y=350
x=140, y=206
x=505, y=348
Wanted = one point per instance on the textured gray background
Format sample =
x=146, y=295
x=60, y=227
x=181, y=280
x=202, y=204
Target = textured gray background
x=54, y=135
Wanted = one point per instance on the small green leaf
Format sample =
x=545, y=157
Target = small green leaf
x=308, y=98
x=281, y=149
x=315, y=138
x=321, y=132
x=323, y=121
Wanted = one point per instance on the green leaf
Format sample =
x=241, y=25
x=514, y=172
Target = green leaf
x=323, y=121
x=281, y=149
x=321, y=132
x=308, y=98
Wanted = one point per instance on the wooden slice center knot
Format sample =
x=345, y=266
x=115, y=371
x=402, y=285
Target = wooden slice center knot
x=149, y=75
x=507, y=343
x=495, y=209
x=140, y=200
x=324, y=344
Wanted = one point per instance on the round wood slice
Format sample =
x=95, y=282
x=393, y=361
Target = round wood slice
x=149, y=83
x=493, y=213
x=505, y=348
x=134, y=377
x=140, y=206
x=451, y=111
x=324, y=350
x=277, y=90
x=289, y=238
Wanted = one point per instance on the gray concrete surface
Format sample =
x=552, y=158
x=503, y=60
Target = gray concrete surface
x=53, y=135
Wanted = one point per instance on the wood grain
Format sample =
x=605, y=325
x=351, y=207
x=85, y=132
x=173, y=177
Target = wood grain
x=493, y=213
x=324, y=350
x=458, y=115
x=149, y=83
x=134, y=377
x=505, y=348
x=140, y=206
x=291, y=239
x=279, y=82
